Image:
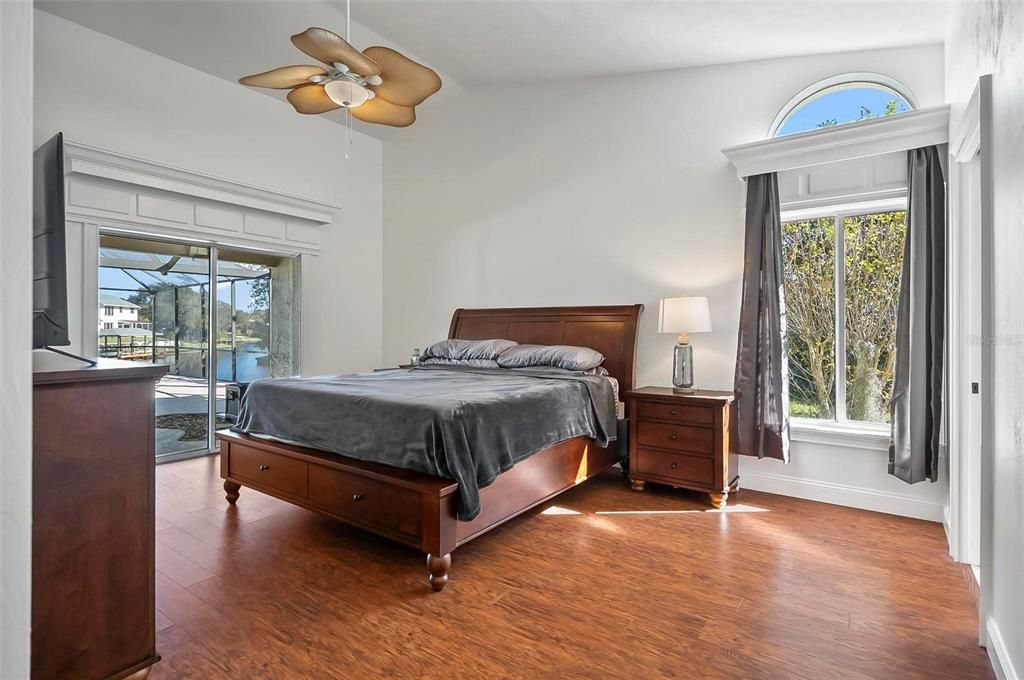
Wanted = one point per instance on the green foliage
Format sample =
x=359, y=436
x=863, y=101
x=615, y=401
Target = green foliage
x=808, y=248
x=892, y=106
x=873, y=260
x=143, y=299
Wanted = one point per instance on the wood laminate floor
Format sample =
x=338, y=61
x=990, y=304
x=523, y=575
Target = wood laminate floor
x=602, y=582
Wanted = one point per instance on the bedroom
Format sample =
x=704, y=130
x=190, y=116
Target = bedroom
x=540, y=151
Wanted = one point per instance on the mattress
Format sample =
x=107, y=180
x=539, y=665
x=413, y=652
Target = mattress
x=459, y=423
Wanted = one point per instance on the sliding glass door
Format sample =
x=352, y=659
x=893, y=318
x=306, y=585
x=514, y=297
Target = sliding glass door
x=157, y=305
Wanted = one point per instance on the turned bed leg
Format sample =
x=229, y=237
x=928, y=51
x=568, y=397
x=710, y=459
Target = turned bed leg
x=231, y=491
x=438, y=568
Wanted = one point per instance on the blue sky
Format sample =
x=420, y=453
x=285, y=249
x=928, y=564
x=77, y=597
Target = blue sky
x=842, y=105
x=115, y=278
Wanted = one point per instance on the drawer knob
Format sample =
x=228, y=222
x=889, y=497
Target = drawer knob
x=674, y=437
x=264, y=468
x=673, y=466
x=357, y=496
x=674, y=412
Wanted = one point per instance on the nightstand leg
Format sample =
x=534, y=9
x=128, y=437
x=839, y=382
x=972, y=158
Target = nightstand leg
x=718, y=500
x=637, y=484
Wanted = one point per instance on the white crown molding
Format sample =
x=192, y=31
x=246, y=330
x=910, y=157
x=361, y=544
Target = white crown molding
x=912, y=130
x=842, y=494
x=966, y=141
x=110, y=165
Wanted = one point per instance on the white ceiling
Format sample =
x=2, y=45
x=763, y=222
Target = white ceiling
x=490, y=41
x=474, y=42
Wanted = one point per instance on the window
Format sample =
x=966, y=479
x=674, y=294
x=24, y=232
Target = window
x=843, y=99
x=108, y=310
x=842, y=271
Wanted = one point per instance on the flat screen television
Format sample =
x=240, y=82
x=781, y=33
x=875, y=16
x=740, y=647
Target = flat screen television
x=49, y=257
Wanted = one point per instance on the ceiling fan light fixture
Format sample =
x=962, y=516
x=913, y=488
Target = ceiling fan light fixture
x=346, y=93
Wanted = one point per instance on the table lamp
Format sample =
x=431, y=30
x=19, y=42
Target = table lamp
x=683, y=315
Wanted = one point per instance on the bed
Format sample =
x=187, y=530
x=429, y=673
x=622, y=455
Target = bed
x=422, y=510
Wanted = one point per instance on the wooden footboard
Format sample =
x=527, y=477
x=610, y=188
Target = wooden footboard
x=407, y=507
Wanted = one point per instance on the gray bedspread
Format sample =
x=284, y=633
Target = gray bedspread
x=466, y=424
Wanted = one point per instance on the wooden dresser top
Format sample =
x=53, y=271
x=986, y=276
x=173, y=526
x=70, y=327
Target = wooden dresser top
x=106, y=369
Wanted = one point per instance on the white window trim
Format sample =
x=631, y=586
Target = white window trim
x=849, y=434
x=822, y=87
x=840, y=431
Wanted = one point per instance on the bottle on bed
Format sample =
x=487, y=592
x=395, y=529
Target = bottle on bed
x=414, y=360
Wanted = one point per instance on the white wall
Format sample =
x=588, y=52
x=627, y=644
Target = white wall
x=119, y=97
x=989, y=38
x=15, y=336
x=604, y=191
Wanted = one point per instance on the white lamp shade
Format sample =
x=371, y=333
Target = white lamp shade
x=684, y=315
x=346, y=93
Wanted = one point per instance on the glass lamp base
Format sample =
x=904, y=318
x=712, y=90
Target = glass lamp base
x=682, y=368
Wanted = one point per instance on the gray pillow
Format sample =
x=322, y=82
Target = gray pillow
x=471, y=363
x=561, y=356
x=461, y=350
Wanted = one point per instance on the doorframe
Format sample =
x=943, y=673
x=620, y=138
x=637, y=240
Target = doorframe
x=91, y=233
x=971, y=140
x=112, y=191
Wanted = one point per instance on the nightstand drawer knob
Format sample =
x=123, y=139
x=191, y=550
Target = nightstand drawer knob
x=264, y=468
x=674, y=466
x=674, y=437
x=674, y=412
x=357, y=496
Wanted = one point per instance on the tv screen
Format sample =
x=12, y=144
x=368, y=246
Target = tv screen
x=49, y=266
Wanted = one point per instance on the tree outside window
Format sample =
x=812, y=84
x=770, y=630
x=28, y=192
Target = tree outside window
x=846, y=376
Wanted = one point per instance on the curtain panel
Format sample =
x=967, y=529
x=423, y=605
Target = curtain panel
x=761, y=421
x=917, y=404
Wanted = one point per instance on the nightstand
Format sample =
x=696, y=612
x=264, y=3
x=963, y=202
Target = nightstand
x=682, y=439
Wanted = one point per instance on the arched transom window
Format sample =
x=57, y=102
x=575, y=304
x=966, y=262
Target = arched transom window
x=847, y=98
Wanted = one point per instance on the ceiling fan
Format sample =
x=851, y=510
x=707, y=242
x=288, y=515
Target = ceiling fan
x=377, y=85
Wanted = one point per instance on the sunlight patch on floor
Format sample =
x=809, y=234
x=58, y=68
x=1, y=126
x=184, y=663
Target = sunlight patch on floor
x=710, y=511
x=559, y=510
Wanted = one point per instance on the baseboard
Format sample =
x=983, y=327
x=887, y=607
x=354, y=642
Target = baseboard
x=998, y=654
x=946, y=524
x=843, y=494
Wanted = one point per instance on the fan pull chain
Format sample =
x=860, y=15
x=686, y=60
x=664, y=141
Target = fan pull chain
x=348, y=128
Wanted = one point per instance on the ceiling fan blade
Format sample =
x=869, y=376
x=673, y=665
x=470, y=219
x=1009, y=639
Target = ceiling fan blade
x=311, y=99
x=330, y=48
x=383, y=112
x=406, y=83
x=283, y=78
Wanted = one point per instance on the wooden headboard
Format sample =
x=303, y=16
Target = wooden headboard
x=609, y=330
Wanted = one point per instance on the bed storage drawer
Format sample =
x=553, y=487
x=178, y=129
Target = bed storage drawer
x=677, y=467
x=269, y=470
x=366, y=501
x=699, y=440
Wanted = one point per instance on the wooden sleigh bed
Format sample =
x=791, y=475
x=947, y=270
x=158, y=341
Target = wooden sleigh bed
x=420, y=510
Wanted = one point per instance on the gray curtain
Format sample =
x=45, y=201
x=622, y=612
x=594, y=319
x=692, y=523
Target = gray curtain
x=917, y=403
x=761, y=420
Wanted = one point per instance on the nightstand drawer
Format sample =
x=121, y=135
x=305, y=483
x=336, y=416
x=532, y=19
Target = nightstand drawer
x=680, y=414
x=700, y=440
x=685, y=469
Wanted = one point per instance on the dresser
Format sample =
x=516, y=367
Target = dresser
x=682, y=440
x=93, y=521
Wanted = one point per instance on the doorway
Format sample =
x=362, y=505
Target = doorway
x=210, y=314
